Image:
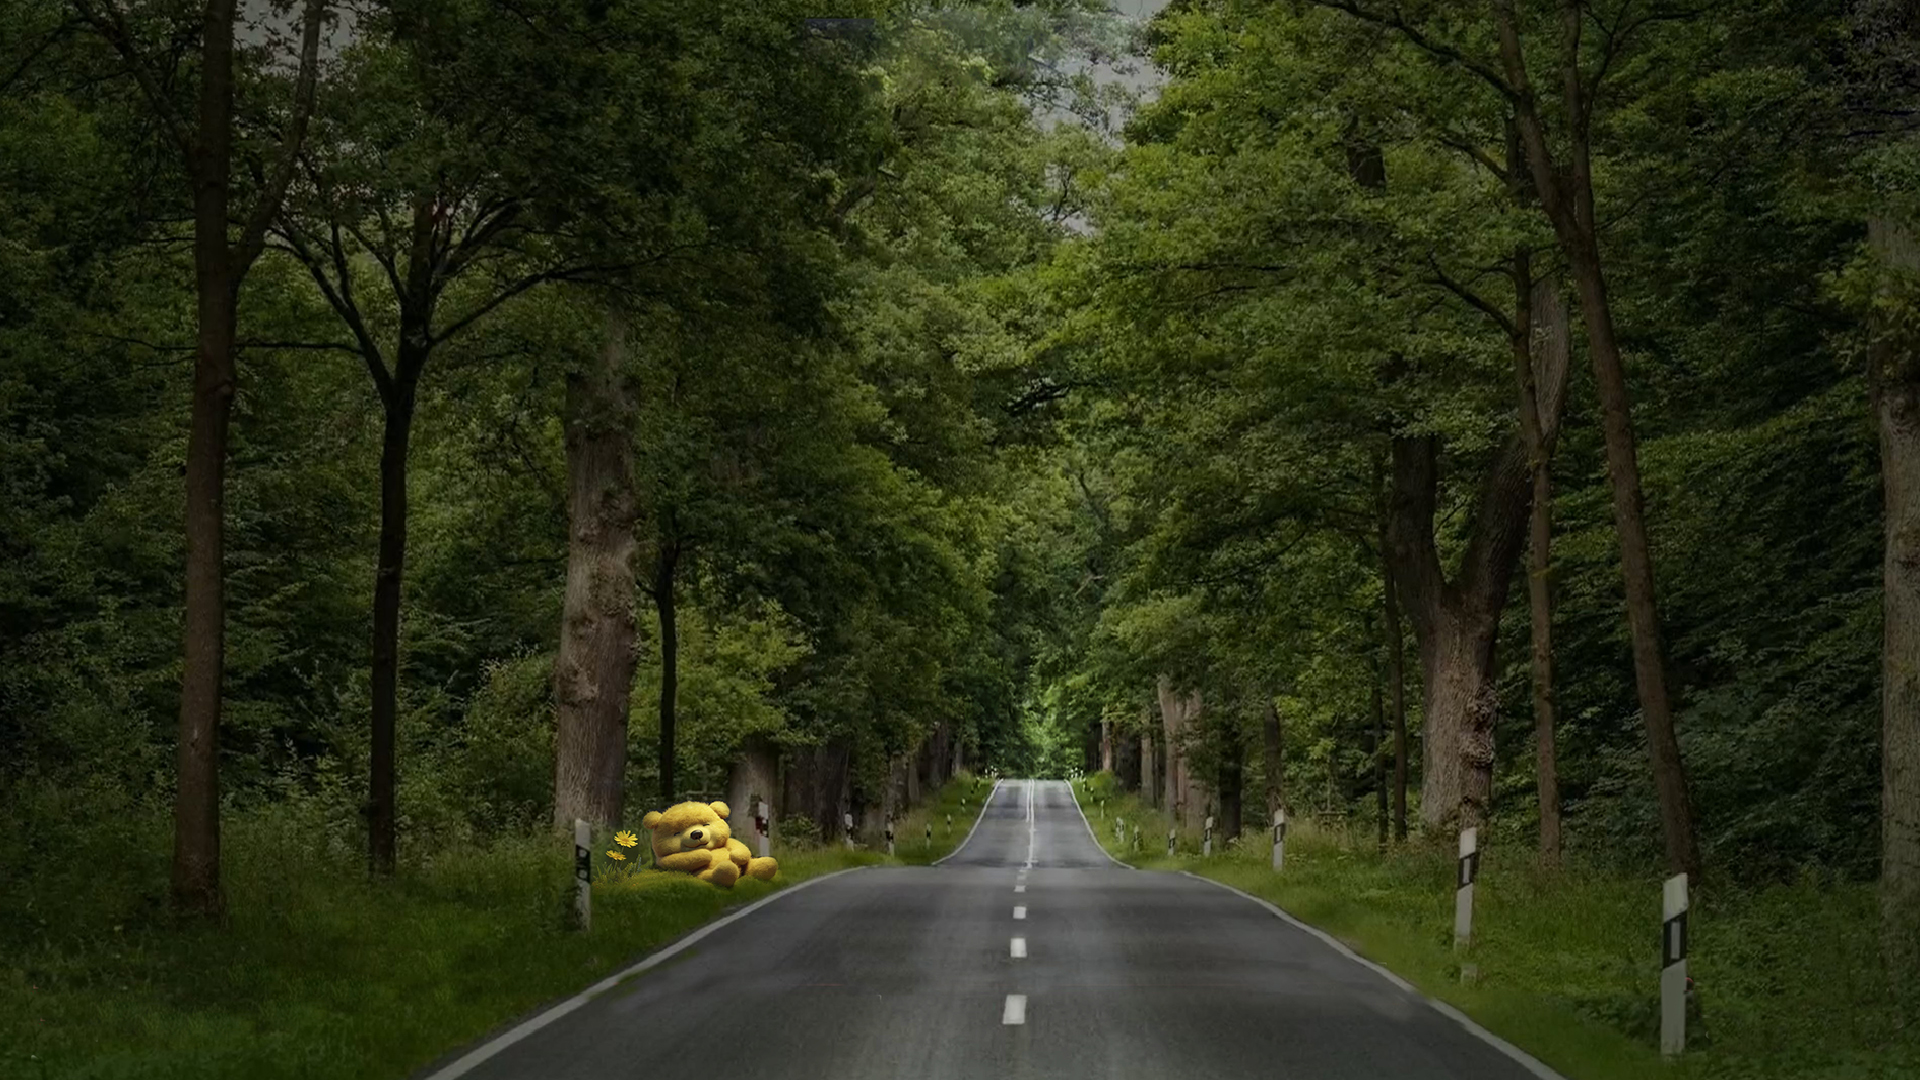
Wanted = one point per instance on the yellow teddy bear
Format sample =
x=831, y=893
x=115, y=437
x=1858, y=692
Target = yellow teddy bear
x=693, y=838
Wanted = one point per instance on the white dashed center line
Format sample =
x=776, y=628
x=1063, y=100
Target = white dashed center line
x=1016, y=1012
x=1019, y=888
x=1019, y=948
x=1020, y=912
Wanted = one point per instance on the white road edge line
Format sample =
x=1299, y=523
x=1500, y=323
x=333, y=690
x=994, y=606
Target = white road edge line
x=468, y=1061
x=1019, y=948
x=977, y=819
x=1016, y=1011
x=1030, y=823
x=1097, y=845
x=1020, y=912
x=1526, y=1061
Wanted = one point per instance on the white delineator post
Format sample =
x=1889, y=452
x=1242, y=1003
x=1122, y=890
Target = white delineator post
x=1673, y=967
x=847, y=820
x=583, y=873
x=1207, y=835
x=1279, y=839
x=1170, y=835
x=1463, y=897
x=949, y=826
x=763, y=826
x=889, y=837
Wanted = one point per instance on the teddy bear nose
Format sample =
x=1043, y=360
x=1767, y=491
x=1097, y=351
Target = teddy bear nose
x=694, y=835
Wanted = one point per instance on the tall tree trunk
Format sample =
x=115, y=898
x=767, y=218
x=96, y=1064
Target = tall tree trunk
x=1636, y=560
x=1149, y=764
x=1274, y=742
x=593, y=674
x=663, y=602
x=196, y=807
x=1106, y=745
x=395, y=438
x=751, y=776
x=910, y=774
x=1894, y=374
x=837, y=790
x=219, y=270
x=1126, y=760
x=1195, y=795
x=1379, y=717
x=798, y=769
x=1566, y=195
x=1455, y=625
x=1397, y=683
x=1171, y=717
x=1541, y=337
x=1231, y=783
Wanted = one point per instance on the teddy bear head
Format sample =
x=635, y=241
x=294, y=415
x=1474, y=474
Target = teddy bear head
x=688, y=826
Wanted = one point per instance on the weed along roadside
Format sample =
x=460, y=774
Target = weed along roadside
x=352, y=978
x=1568, y=966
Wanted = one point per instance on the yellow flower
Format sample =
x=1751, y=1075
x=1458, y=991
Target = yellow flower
x=625, y=839
x=616, y=855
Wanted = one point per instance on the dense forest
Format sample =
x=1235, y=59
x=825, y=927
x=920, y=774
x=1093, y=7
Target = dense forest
x=426, y=422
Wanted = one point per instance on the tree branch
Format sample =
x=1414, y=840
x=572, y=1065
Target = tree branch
x=1439, y=50
x=253, y=236
x=112, y=26
x=1500, y=318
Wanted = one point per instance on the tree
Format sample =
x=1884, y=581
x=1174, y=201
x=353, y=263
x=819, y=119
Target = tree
x=593, y=673
x=221, y=263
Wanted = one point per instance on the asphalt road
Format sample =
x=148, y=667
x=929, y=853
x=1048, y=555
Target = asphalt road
x=981, y=967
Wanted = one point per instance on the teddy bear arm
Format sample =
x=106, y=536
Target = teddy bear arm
x=687, y=862
x=740, y=853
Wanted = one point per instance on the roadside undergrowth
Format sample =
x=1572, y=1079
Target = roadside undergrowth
x=1568, y=961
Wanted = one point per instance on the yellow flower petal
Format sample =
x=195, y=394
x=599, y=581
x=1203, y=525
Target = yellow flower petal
x=615, y=855
x=625, y=839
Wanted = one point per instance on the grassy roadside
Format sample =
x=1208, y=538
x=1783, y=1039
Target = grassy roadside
x=1568, y=963
x=952, y=812
x=321, y=974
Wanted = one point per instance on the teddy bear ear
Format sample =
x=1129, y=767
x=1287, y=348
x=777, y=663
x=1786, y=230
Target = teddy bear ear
x=652, y=819
x=721, y=809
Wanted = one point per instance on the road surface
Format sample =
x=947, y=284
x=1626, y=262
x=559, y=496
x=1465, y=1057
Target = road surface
x=1028, y=953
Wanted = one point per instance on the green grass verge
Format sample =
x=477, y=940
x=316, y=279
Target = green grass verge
x=321, y=974
x=952, y=812
x=1568, y=962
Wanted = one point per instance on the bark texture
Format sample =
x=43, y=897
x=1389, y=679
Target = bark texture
x=1895, y=383
x=1542, y=338
x=593, y=674
x=816, y=786
x=1378, y=714
x=665, y=566
x=1149, y=763
x=1397, y=684
x=396, y=437
x=753, y=776
x=1126, y=761
x=1456, y=621
x=1231, y=786
x=1274, y=746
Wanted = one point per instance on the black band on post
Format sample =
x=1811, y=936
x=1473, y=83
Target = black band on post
x=1673, y=941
